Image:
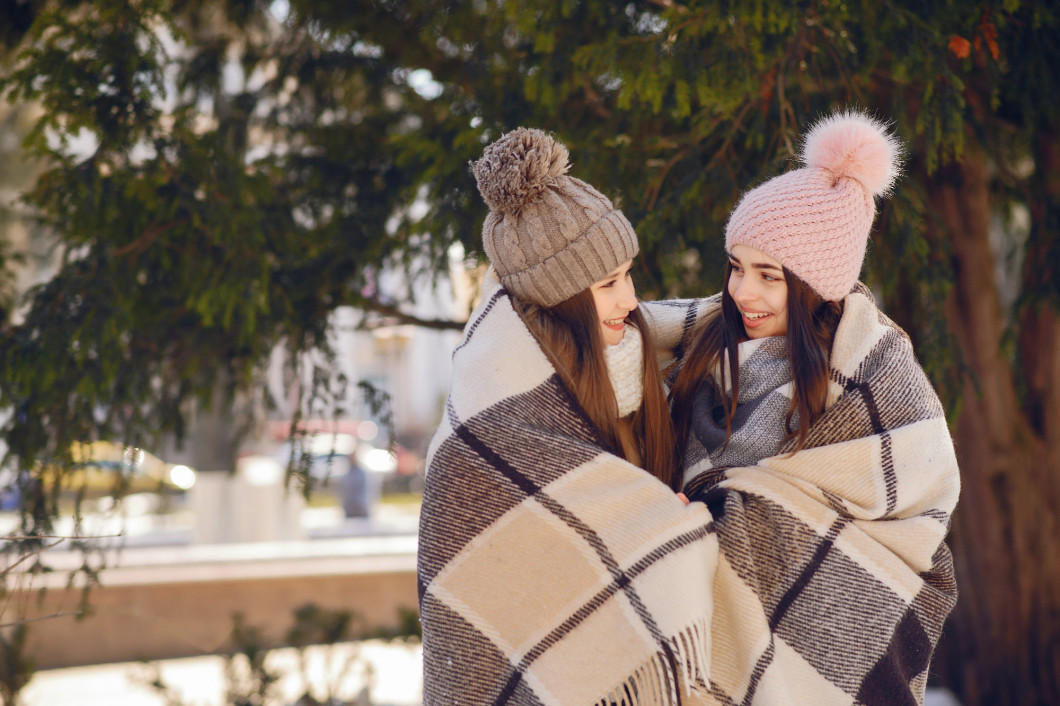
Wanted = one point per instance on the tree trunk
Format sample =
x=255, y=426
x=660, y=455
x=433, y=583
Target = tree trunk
x=999, y=646
x=214, y=433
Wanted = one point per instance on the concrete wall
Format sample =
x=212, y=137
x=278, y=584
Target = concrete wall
x=185, y=608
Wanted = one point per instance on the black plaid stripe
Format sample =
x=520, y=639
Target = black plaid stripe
x=458, y=505
x=622, y=583
x=841, y=620
x=687, y=329
x=621, y=580
x=761, y=665
x=479, y=668
x=547, y=409
x=939, y=594
x=829, y=608
x=888, y=682
x=764, y=543
x=890, y=479
x=469, y=330
x=808, y=573
x=836, y=503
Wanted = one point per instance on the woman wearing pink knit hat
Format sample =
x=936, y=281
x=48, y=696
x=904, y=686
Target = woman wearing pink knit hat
x=817, y=442
x=795, y=246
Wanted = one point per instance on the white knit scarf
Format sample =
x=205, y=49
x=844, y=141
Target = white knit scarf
x=625, y=361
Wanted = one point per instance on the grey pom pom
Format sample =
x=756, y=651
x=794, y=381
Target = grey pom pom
x=516, y=169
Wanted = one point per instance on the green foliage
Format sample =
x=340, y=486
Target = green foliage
x=238, y=174
x=250, y=681
x=204, y=219
x=220, y=177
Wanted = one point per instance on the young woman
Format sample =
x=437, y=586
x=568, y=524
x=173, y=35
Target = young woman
x=817, y=442
x=595, y=340
x=768, y=311
x=547, y=553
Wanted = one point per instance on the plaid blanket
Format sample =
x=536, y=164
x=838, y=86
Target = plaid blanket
x=759, y=425
x=833, y=581
x=550, y=570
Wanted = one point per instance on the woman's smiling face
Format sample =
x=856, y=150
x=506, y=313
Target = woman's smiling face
x=615, y=297
x=758, y=287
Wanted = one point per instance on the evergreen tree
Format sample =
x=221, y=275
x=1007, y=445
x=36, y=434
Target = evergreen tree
x=252, y=165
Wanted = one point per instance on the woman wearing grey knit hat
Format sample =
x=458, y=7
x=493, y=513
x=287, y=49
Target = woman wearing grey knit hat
x=565, y=253
x=817, y=442
x=547, y=555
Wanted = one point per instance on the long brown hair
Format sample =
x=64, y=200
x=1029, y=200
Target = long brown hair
x=812, y=324
x=569, y=334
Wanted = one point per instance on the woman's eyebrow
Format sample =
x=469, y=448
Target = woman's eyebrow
x=754, y=265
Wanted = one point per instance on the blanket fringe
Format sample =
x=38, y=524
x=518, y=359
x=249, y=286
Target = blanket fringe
x=666, y=678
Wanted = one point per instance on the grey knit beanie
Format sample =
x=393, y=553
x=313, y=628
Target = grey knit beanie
x=548, y=235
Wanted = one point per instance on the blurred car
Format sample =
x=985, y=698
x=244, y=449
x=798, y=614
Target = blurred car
x=100, y=468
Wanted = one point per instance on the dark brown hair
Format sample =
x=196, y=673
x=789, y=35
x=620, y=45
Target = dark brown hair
x=569, y=334
x=812, y=324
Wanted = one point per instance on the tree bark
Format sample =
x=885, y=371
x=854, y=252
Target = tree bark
x=997, y=647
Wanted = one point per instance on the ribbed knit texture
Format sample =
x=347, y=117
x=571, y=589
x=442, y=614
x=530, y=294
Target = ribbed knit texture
x=816, y=220
x=548, y=235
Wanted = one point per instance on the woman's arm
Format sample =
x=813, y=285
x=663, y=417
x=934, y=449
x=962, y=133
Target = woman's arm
x=672, y=325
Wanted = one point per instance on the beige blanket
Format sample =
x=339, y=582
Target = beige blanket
x=550, y=570
x=833, y=581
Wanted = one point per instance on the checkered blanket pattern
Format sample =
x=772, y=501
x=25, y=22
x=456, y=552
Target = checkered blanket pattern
x=759, y=427
x=834, y=580
x=551, y=571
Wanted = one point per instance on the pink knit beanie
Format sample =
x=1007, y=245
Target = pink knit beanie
x=548, y=235
x=816, y=220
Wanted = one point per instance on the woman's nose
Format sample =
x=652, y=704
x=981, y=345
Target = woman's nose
x=628, y=300
x=745, y=291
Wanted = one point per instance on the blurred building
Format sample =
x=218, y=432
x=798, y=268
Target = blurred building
x=409, y=364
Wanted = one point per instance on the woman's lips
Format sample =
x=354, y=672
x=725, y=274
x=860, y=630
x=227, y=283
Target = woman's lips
x=760, y=318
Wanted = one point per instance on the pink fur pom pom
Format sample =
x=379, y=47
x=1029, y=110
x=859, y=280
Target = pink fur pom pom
x=852, y=144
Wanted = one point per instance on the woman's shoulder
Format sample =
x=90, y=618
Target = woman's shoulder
x=872, y=352
x=864, y=325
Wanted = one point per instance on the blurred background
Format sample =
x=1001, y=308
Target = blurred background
x=239, y=239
